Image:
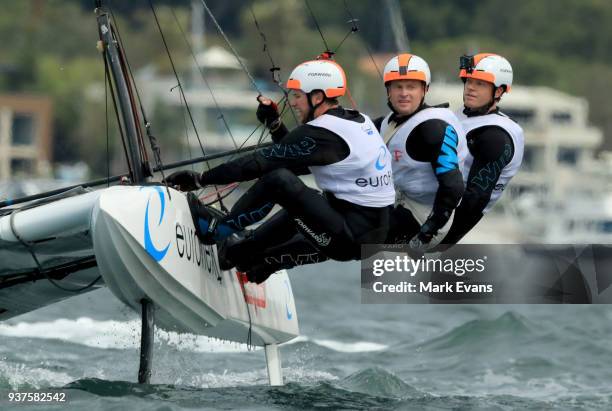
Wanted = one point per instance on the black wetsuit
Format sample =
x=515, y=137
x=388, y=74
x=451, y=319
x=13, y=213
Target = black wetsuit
x=425, y=144
x=311, y=227
x=492, y=149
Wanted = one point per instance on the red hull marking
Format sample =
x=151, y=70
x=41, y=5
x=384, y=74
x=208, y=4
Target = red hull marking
x=254, y=294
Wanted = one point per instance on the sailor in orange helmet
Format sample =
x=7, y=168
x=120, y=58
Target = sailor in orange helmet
x=495, y=141
x=428, y=147
x=350, y=164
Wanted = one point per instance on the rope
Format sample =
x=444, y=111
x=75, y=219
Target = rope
x=39, y=268
x=222, y=189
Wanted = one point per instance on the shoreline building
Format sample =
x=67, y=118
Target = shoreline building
x=25, y=136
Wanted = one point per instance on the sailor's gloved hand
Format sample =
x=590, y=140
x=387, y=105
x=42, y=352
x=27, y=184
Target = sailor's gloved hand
x=267, y=112
x=185, y=180
x=420, y=242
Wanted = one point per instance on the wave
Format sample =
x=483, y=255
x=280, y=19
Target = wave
x=321, y=395
x=114, y=335
x=22, y=377
x=366, y=389
x=509, y=328
x=341, y=346
x=123, y=335
x=379, y=382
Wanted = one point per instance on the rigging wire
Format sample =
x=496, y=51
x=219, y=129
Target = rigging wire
x=259, y=142
x=314, y=19
x=354, y=29
x=180, y=85
x=131, y=84
x=106, y=124
x=275, y=76
x=188, y=144
x=328, y=54
x=274, y=69
x=212, y=94
x=249, y=335
x=246, y=70
x=354, y=21
x=118, y=116
x=223, y=197
x=152, y=139
x=182, y=91
x=221, y=114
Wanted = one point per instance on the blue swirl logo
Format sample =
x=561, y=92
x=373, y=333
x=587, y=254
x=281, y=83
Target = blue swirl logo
x=157, y=254
x=289, y=313
x=381, y=162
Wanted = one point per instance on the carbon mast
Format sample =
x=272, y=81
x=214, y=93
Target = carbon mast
x=123, y=92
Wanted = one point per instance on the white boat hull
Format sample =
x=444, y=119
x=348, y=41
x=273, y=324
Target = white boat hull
x=146, y=247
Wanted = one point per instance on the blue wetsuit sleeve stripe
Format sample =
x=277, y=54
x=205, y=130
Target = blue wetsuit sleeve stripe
x=447, y=159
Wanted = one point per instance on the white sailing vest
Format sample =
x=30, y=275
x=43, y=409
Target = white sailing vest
x=415, y=180
x=365, y=177
x=516, y=133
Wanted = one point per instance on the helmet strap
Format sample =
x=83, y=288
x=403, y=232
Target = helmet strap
x=312, y=107
x=481, y=111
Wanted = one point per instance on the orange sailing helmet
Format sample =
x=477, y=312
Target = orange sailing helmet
x=324, y=75
x=407, y=67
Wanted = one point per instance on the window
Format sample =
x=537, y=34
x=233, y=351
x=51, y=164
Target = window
x=605, y=226
x=567, y=155
x=22, y=167
x=561, y=117
x=23, y=129
x=521, y=116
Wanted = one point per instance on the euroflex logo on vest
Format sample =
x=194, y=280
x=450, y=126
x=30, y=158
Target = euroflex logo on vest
x=375, y=181
x=384, y=179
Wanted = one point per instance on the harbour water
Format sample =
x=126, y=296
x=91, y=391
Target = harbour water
x=350, y=356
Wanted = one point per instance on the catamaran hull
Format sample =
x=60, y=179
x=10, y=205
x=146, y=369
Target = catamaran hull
x=145, y=246
x=59, y=247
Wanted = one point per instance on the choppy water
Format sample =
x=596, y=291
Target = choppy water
x=351, y=356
